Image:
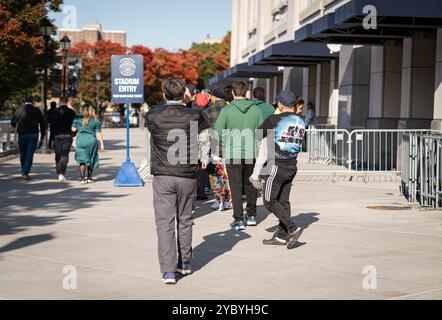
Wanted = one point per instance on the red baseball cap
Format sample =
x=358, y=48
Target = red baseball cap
x=201, y=100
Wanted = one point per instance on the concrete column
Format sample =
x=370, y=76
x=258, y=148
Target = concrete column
x=287, y=79
x=318, y=92
x=312, y=74
x=322, y=92
x=333, y=93
x=305, y=84
x=354, y=86
x=297, y=81
x=418, y=78
x=385, y=86
x=268, y=87
x=437, y=122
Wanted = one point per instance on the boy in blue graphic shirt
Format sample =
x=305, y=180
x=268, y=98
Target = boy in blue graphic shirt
x=283, y=135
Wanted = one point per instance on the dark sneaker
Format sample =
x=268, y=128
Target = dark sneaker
x=169, y=278
x=237, y=226
x=250, y=221
x=184, y=269
x=275, y=241
x=293, y=237
x=278, y=239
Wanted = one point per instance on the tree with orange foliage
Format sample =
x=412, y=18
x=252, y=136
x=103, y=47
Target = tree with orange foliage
x=96, y=58
x=22, y=45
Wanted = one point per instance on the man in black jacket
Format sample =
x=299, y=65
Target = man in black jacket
x=62, y=119
x=176, y=133
x=28, y=120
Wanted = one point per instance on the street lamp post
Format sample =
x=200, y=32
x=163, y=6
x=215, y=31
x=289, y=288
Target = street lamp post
x=46, y=31
x=65, y=46
x=98, y=78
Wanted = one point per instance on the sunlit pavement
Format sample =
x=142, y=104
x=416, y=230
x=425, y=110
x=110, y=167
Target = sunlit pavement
x=107, y=235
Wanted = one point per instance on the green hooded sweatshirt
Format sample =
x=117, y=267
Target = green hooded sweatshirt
x=267, y=110
x=236, y=128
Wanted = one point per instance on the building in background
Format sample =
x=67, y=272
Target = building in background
x=209, y=40
x=357, y=76
x=92, y=33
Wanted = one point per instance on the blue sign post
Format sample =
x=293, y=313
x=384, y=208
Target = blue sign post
x=128, y=87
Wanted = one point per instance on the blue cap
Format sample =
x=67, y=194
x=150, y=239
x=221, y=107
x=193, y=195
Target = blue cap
x=287, y=98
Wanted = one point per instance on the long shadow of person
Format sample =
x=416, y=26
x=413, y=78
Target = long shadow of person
x=215, y=245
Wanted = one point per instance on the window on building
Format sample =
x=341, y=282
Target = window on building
x=252, y=21
x=280, y=11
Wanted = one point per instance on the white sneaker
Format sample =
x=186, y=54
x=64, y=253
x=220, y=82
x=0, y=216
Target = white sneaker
x=61, y=178
x=215, y=205
x=83, y=181
x=227, y=205
x=221, y=206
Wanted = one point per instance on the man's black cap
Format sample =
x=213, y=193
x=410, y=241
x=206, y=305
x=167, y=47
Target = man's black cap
x=193, y=90
x=287, y=98
x=219, y=93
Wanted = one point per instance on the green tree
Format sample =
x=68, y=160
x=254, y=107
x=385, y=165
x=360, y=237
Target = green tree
x=211, y=59
x=22, y=46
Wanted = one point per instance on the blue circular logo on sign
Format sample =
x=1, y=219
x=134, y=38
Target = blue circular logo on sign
x=127, y=67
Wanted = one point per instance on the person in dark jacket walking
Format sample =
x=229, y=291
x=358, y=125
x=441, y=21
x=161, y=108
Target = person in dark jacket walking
x=29, y=121
x=175, y=132
x=51, y=124
x=62, y=120
x=236, y=128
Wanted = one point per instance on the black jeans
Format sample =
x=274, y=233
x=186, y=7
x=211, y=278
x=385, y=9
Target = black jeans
x=239, y=175
x=277, y=190
x=202, y=182
x=62, y=146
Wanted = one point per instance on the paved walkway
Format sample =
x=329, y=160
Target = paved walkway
x=108, y=235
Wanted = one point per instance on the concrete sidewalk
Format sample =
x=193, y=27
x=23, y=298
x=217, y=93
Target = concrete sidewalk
x=108, y=236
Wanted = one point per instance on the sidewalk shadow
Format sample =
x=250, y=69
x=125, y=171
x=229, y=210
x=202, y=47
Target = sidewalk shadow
x=19, y=199
x=216, y=245
x=26, y=242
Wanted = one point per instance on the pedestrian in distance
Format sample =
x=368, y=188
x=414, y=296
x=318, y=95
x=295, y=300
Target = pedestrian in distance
x=236, y=129
x=283, y=136
x=267, y=110
x=176, y=175
x=62, y=120
x=310, y=117
x=88, y=130
x=29, y=121
x=51, y=124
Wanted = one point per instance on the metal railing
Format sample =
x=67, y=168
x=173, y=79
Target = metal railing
x=8, y=138
x=365, y=151
x=328, y=146
x=422, y=169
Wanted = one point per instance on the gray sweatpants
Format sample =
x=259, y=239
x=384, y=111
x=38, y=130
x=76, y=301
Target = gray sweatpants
x=173, y=200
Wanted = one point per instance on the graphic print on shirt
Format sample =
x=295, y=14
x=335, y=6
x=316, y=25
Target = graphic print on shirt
x=289, y=134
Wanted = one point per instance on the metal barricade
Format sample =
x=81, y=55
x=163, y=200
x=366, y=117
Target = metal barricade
x=378, y=150
x=360, y=150
x=8, y=138
x=422, y=173
x=328, y=146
